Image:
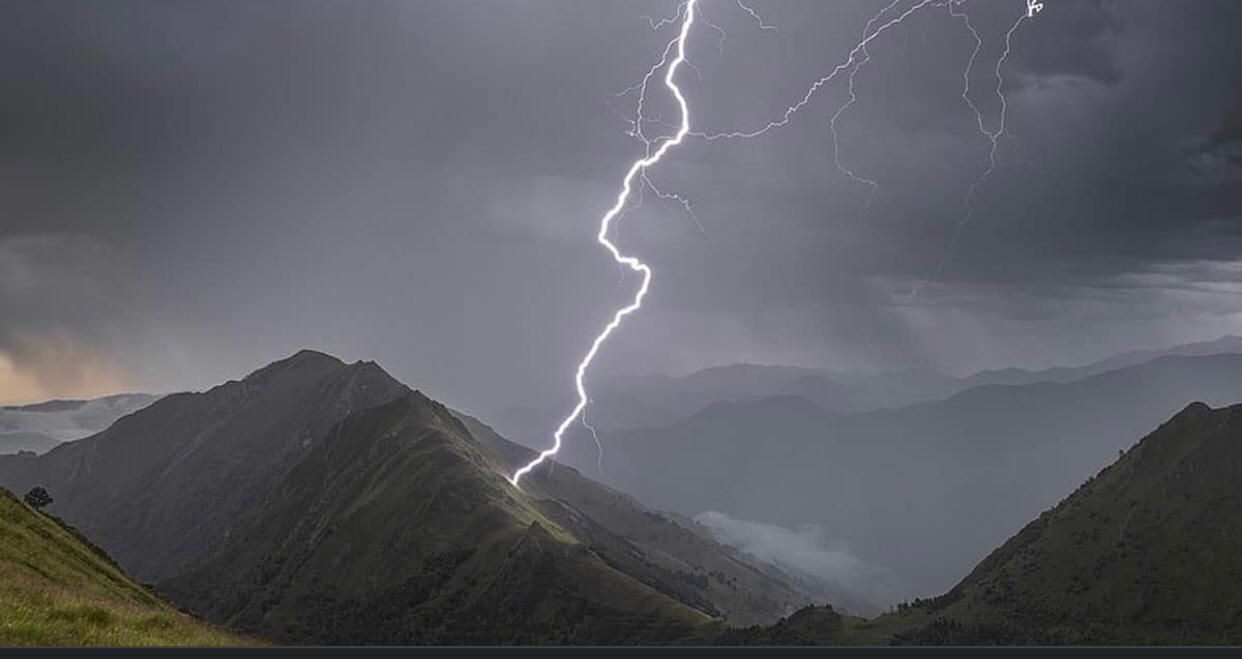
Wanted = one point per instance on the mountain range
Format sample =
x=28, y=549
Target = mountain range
x=648, y=401
x=923, y=491
x=320, y=502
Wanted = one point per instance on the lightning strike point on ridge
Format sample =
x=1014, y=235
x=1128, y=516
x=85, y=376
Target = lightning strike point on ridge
x=632, y=262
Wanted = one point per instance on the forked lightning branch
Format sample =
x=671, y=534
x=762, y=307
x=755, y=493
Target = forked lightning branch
x=636, y=176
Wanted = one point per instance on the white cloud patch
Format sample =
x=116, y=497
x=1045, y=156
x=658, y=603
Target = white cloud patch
x=808, y=552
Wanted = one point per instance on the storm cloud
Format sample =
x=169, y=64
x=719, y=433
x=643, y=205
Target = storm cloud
x=191, y=189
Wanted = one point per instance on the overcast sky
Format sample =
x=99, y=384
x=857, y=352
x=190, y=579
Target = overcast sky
x=189, y=190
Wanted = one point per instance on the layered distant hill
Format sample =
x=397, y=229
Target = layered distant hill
x=319, y=502
x=56, y=588
x=315, y=501
x=42, y=426
x=925, y=490
x=648, y=401
x=1146, y=552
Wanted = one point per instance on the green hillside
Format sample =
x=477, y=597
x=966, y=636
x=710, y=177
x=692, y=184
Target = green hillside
x=1147, y=552
x=400, y=529
x=58, y=589
x=672, y=557
x=320, y=502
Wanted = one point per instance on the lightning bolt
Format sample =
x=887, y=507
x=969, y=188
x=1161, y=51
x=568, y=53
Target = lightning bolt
x=637, y=175
x=633, y=263
x=827, y=78
x=832, y=123
x=859, y=56
x=1033, y=7
x=763, y=25
x=673, y=197
x=599, y=460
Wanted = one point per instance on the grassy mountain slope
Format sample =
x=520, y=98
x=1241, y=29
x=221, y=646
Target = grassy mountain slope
x=672, y=556
x=160, y=488
x=58, y=589
x=1149, y=551
x=399, y=528
x=315, y=501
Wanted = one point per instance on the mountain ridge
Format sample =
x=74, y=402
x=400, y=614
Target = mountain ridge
x=632, y=402
x=242, y=501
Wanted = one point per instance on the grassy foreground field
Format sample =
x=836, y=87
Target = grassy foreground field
x=58, y=589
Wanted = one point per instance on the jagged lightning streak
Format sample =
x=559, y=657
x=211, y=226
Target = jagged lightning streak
x=763, y=25
x=854, y=62
x=635, y=123
x=859, y=56
x=686, y=12
x=631, y=262
x=827, y=78
x=599, y=460
x=1033, y=7
x=832, y=123
x=675, y=198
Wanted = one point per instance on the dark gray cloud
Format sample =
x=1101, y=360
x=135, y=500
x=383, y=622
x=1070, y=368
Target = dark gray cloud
x=1077, y=41
x=418, y=183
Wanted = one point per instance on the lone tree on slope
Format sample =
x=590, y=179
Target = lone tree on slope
x=37, y=498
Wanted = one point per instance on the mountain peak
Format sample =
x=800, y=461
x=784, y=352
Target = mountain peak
x=303, y=360
x=306, y=355
x=299, y=359
x=1194, y=409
